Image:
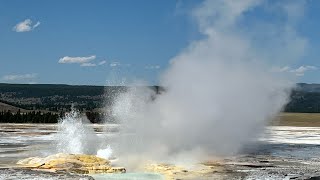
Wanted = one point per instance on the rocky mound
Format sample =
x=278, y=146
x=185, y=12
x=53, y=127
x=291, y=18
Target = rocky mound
x=199, y=171
x=76, y=163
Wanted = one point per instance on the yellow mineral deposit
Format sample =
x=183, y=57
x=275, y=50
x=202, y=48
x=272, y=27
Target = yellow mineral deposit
x=78, y=163
x=172, y=172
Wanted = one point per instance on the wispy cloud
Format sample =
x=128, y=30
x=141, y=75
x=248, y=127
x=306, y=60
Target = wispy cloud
x=300, y=71
x=102, y=62
x=152, y=67
x=25, y=26
x=115, y=64
x=36, y=25
x=19, y=77
x=32, y=82
x=79, y=60
x=88, y=64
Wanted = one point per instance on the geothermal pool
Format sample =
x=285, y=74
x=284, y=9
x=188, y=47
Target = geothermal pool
x=282, y=152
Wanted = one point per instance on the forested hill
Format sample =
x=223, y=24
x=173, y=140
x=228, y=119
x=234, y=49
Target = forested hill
x=59, y=98
x=304, y=87
x=305, y=98
x=51, y=97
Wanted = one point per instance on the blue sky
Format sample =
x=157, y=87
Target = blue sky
x=89, y=42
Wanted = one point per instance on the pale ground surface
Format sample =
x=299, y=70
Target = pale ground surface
x=282, y=152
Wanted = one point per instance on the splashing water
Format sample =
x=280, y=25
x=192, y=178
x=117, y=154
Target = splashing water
x=105, y=153
x=75, y=136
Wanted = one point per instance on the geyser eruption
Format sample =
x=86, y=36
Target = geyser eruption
x=74, y=136
x=219, y=92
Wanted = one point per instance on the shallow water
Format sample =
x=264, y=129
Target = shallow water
x=129, y=176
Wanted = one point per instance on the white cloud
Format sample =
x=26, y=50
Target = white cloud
x=152, y=67
x=36, y=25
x=114, y=64
x=102, y=62
x=88, y=64
x=80, y=60
x=17, y=77
x=281, y=69
x=32, y=82
x=25, y=26
x=300, y=71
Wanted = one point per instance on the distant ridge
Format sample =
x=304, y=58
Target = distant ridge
x=89, y=98
x=60, y=97
x=308, y=87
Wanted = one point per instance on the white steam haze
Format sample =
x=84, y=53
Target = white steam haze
x=219, y=91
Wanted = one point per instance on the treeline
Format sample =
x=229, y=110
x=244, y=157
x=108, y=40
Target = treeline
x=304, y=102
x=29, y=117
x=39, y=117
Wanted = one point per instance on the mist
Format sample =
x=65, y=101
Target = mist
x=219, y=91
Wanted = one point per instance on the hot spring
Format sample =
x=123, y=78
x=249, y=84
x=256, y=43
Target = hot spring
x=219, y=93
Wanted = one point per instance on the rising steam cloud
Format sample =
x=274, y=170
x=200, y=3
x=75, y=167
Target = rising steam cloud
x=219, y=91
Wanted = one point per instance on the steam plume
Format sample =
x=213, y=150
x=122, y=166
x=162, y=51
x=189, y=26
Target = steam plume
x=219, y=90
